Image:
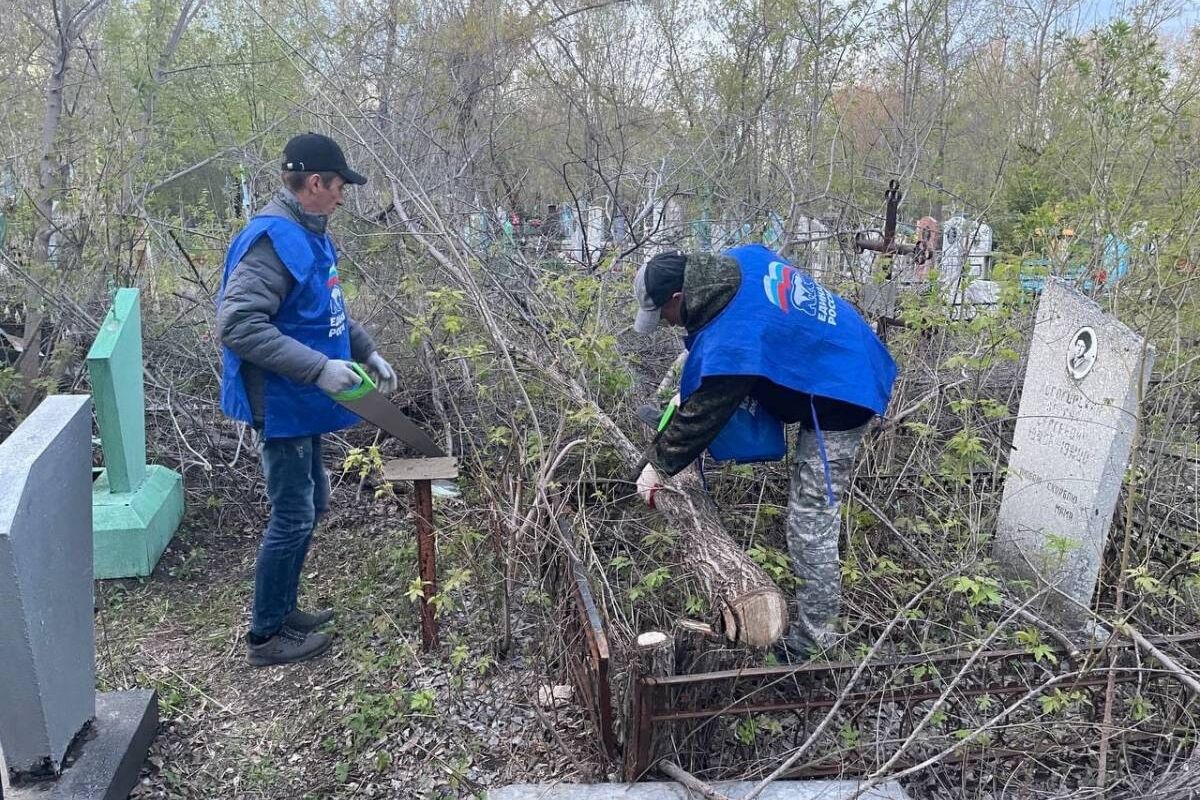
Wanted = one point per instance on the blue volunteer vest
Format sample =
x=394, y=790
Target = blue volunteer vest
x=785, y=327
x=313, y=313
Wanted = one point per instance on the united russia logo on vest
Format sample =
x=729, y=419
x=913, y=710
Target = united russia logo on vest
x=787, y=288
x=337, y=305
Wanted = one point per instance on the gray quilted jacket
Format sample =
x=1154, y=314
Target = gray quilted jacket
x=255, y=290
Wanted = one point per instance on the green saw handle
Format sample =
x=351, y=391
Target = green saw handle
x=665, y=419
x=365, y=386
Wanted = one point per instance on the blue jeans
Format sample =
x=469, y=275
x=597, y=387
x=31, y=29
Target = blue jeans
x=298, y=489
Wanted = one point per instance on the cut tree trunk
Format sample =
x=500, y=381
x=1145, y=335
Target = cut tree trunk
x=751, y=610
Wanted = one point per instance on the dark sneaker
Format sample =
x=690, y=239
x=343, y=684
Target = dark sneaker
x=307, y=622
x=789, y=651
x=649, y=416
x=287, y=647
x=796, y=648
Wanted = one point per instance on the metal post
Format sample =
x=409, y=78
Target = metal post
x=427, y=558
x=639, y=743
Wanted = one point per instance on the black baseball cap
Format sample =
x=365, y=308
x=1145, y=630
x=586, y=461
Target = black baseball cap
x=314, y=152
x=655, y=282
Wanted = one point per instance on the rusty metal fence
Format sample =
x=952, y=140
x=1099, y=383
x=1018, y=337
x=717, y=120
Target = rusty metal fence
x=703, y=719
x=716, y=723
x=588, y=658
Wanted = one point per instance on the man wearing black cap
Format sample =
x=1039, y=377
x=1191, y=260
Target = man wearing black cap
x=767, y=346
x=288, y=341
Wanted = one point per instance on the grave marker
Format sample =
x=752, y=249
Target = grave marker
x=573, y=233
x=59, y=739
x=811, y=237
x=979, y=253
x=136, y=507
x=46, y=672
x=1074, y=431
x=595, y=232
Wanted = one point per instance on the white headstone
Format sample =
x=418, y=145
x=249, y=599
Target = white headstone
x=572, y=232
x=1079, y=405
x=980, y=250
x=595, y=231
x=966, y=249
x=954, y=250
x=812, y=238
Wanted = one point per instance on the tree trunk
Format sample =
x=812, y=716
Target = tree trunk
x=750, y=606
x=69, y=27
x=653, y=657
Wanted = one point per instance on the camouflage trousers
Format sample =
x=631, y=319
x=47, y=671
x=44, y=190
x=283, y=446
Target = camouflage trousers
x=813, y=525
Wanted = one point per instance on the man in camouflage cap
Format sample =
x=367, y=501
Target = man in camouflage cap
x=767, y=345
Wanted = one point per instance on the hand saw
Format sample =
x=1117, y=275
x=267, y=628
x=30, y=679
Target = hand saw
x=366, y=401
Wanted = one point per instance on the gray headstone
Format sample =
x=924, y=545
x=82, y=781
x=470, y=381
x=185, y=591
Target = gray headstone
x=980, y=250
x=880, y=299
x=1074, y=431
x=47, y=674
x=779, y=790
x=956, y=232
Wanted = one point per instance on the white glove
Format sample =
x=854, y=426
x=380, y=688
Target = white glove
x=648, y=483
x=337, y=376
x=385, y=376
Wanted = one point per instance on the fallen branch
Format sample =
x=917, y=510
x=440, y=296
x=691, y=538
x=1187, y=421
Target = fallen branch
x=1186, y=676
x=682, y=776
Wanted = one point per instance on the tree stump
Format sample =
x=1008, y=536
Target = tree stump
x=653, y=657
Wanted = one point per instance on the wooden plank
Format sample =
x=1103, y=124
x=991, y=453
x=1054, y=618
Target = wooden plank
x=421, y=469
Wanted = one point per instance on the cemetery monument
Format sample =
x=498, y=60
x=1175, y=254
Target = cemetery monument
x=54, y=729
x=136, y=507
x=1075, y=425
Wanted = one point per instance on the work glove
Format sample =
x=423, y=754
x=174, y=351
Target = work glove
x=648, y=483
x=337, y=376
x=385, y=375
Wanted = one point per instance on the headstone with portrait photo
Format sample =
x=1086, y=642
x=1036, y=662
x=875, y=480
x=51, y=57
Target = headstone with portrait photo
x=1084, y=380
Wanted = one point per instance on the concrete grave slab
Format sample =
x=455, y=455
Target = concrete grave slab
x=136, y=508
x=47, y=676
x=57, y=738
x=1074, y=431
x=780, y=790
x=111, y=755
